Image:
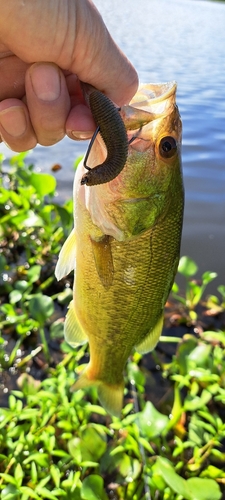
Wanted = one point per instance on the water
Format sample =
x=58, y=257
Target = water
x=182, y=41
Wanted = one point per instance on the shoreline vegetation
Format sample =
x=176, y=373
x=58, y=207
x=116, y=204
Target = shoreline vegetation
x=54, y=444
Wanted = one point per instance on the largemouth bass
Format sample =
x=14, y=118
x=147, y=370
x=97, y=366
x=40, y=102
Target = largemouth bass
x=124, y=248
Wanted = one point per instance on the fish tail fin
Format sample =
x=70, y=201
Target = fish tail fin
x=110, y=395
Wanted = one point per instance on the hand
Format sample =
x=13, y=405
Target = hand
x=46, y=48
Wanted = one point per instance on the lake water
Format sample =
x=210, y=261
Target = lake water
x=182, y=41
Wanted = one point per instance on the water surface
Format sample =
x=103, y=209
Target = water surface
x=182, y=41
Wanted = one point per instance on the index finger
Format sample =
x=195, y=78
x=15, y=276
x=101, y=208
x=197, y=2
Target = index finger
x=98, y=60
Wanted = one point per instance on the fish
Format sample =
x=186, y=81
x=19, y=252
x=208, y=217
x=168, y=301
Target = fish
x=125, y=245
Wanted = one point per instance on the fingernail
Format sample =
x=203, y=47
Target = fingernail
x=81, y=135
x=45, y=80
x=13, y=120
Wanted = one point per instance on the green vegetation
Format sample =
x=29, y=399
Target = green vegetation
x=56, y=444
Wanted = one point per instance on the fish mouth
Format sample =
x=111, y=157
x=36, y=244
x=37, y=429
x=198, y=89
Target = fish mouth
x=149, y=94
x=150, y=103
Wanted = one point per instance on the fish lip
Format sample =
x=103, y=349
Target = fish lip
x=167, y=89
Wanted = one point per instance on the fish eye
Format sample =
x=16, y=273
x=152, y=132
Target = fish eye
x=167, y=147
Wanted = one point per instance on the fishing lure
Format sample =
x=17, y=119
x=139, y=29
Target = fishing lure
x=114, y=134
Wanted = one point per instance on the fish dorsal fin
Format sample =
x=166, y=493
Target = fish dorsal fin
x=73, y=332
x=103, y=260
x=152, y=338
x=66, y=260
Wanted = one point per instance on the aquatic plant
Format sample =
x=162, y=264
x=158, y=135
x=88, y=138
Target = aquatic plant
x=56, y=444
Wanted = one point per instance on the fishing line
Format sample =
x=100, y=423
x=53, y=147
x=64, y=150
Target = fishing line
x=89, y=148
x=141, y=447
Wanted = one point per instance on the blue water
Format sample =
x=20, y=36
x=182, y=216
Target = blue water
x=182, y=41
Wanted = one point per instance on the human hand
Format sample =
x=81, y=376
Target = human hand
x=46, y=48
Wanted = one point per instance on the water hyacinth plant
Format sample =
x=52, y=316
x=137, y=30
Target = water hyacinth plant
x=55, y=444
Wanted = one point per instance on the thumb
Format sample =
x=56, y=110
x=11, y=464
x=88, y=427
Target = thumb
x=71, y=34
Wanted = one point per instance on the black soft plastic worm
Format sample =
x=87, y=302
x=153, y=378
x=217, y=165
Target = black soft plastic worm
x=113, y=132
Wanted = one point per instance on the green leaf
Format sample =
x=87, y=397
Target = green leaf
x=151, y=422
x=196, y=402
x=134, y=373
x=92, y=488
x=3, y=263
x=129, y=467
x=91, y=445
x=33, y=274
x=34, y=473
x=26, y=326
x=221, y=290
x=29, y=492
x=8, y=478
x=187, y=267
x=65, y=216
x=41, y=459
x=201, y=355
x=46, y=493
x=43, y=183
x=207, y=277
x=65, y=296
x=19, y=474
x=16, y=199
x=41, y=307
x=75, y=449
x=10, y=493
x=27, y=219
x=77, y=161
x=204, y=489
x=15, y=296
x=184, y=350
x=213, y=472
x=19, y=159
x=175, y=482
x=175, y=287
x=214, y=337
x=55, y=473
x=57, y=329
x=22, y=285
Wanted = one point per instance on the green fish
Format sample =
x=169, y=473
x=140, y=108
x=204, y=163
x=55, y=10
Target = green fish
x=124, y=248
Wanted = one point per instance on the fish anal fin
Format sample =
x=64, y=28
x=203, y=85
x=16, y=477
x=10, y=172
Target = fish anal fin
x=111, y=398
x=152, y=338
x=66, y=260
x=103, y=260
x=73, y=331
x=110, y=395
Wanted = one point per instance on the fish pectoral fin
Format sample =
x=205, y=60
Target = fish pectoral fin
x=152, y=338
x=103, y=260
x=110, y=396
x=73, y=332
x=66, y=260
